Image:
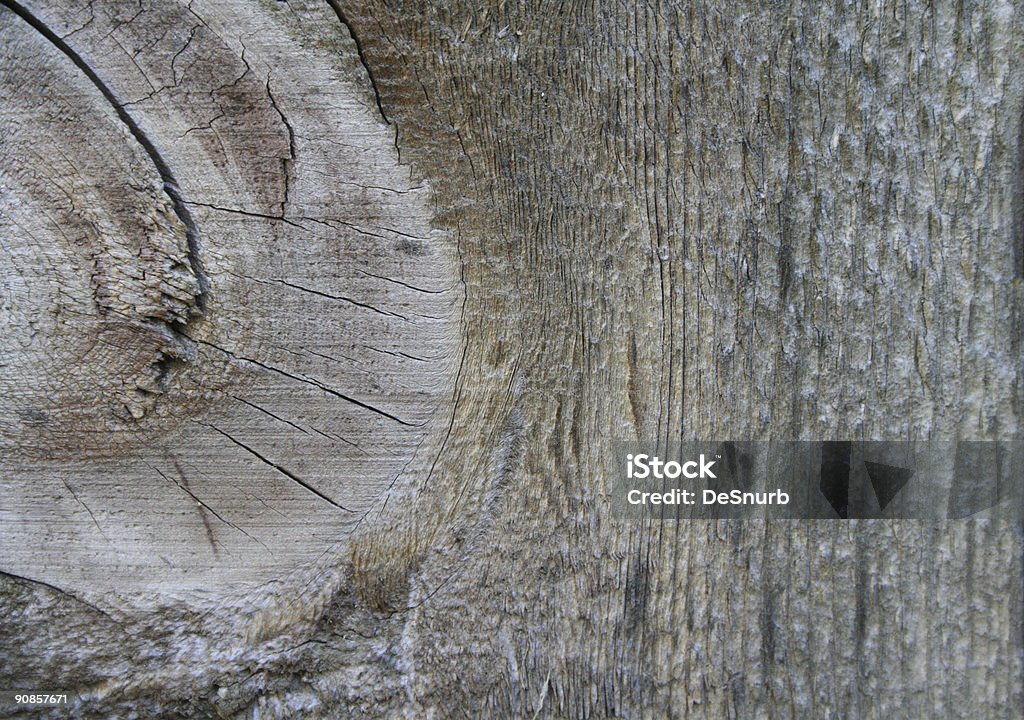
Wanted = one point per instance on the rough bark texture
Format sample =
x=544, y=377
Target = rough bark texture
x=322, y=318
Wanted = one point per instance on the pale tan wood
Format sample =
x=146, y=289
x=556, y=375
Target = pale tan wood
x=203, y=420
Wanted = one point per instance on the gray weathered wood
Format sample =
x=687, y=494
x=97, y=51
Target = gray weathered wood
x=184, y=418
x=524, y=231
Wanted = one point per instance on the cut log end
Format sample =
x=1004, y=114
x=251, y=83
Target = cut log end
x=229, y=320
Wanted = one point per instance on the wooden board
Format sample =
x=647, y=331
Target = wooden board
x=446, y=255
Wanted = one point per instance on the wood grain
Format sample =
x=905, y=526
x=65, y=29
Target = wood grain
x=648, y=222
x=229, y=322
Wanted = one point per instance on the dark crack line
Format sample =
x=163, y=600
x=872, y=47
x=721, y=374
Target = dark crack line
x=280, y=469
x=403, y=284
x=174, y=60
x=402, y=234
x=331, y=357
x=257, y=498
x=65, y=593
x=169, y=182
x=397, y=353
x=362, y=56
x=202, y=506
x=457, y=390
x=341, y=298
x=310, y=381
x=188, y=491
x=246, y=213
x=87, y=509
x=289, y=163
x=335, y=438
x=267, y=412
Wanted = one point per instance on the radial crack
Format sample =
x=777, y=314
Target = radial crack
x=340, y=298
x=309, y=381
x=362, y=56
x=170, y=184
x=286, y=163
x=280, y=469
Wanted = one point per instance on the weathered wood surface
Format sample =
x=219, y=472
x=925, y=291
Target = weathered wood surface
x=230, y=319
x=652, y=222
